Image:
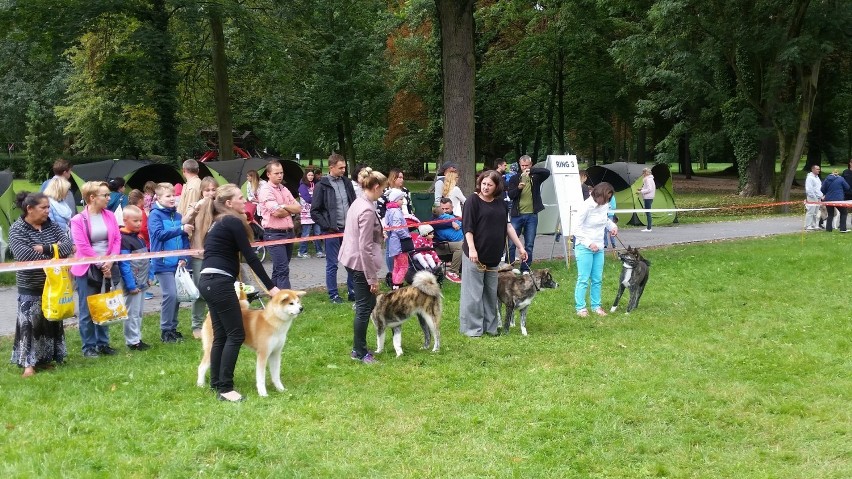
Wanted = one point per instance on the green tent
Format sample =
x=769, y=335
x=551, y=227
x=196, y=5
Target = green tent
x=626, y=178
x=8, y=211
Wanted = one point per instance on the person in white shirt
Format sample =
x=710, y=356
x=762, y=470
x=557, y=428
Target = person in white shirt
x=588, y=250
x=814, y=194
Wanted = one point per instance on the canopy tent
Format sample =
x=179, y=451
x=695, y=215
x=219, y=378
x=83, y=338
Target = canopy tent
x=234, y=171
x=626, y=178
x=8, y=211
x=135, y=172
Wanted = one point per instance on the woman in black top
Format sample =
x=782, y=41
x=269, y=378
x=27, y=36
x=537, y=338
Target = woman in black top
x=38, y=341
x=484, y=240
x=229, y=236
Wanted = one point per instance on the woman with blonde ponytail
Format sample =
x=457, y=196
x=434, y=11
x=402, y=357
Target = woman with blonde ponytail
x=229, y=236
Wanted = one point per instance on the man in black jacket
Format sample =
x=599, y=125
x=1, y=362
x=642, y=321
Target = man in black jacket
x=332, y=196
x=525, y=193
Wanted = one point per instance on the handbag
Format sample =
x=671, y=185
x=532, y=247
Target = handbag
x=57, y=298
x=187, y=292
x=107, y=307
x=406, y=244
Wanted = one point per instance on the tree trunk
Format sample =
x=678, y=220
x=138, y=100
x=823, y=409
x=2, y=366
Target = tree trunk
x=684, y=158
x=165, y=88
x=792, y=142
x=221, y=93
x=760, y=172
x=458, y=69
x=640, y=145
x=349, y=150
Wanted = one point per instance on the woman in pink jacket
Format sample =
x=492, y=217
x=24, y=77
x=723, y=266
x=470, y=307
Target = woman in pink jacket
x=361, y=254
x=95, y=233
x=648, y=190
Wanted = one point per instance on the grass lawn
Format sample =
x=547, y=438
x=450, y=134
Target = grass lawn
x=734, y=365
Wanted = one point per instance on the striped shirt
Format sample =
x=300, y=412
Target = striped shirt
x=22, y=238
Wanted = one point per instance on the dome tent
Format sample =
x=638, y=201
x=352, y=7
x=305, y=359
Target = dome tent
x=626, y=178
x=135, y=172
x=8, y=211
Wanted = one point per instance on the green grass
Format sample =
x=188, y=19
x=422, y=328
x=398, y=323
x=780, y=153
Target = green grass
x=734, y=365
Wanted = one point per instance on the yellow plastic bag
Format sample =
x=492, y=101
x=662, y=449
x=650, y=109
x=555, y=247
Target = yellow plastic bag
x=57, y=299
x=107, y=307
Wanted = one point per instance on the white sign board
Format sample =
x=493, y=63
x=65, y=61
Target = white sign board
x=566, y=186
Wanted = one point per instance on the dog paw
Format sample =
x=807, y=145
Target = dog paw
x=262, y=394
x=612, y=309
x=524, y=331
x=280, y=387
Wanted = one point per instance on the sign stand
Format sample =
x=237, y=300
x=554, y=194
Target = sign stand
x=569, y=195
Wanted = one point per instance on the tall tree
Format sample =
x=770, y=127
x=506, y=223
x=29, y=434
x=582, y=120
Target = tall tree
x=458, y=72
x=221, y=89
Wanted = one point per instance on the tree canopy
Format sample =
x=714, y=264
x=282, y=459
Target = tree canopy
x=406, y=82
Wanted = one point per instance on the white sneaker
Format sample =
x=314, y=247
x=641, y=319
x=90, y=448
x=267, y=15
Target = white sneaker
x=646, y=230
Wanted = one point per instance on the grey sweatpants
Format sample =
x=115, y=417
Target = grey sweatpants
x=478, y=301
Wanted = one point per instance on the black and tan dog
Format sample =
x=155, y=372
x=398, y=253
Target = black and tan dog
x=634, y=277
x=516, y=292
x=422, y=298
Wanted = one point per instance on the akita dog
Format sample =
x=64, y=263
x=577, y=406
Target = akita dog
x=516, y=292
x=634, y=276
x=422, y=298
x=266, y=332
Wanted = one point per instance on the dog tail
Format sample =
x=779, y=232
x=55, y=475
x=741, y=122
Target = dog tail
x=427, y=283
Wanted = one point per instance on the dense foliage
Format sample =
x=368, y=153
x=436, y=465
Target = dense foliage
x=638, y=80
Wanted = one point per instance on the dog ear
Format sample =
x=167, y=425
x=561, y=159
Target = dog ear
x=300, y=293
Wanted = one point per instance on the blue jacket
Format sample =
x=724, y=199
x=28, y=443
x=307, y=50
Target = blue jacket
x=446, y=232
x=134, y=273
x=834, y=188
x=166, y=234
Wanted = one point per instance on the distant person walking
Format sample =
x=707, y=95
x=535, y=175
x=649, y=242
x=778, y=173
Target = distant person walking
x=647, y=192
x=813, y=193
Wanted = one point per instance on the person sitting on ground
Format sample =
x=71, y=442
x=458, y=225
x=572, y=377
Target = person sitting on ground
x=38, y=342
x=134, y=275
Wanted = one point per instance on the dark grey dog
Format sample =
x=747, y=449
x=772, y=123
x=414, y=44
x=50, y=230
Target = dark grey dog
x=517, y=291
x=634, y=276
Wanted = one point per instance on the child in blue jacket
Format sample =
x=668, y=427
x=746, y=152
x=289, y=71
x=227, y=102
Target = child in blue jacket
x=167, y=233
x=134, y=275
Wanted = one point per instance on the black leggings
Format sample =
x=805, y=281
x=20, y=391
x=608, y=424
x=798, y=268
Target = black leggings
x=228, y=333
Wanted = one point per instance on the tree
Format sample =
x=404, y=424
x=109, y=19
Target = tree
x=458, y=71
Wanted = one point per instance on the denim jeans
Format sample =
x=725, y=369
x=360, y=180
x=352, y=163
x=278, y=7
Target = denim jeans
x=310, y=230
x=525, y=226
x=589, y=273
x=92, y=335
x=648, y=203
x=332, y=249
x=281, y=254
x=365, y=301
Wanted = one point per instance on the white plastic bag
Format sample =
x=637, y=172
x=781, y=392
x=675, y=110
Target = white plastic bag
x=187, y=292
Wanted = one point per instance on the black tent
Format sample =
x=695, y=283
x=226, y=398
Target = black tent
x=135, y=172
x=234, y=171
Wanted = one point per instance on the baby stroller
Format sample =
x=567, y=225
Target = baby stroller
x=414, y=264
x=257, y=230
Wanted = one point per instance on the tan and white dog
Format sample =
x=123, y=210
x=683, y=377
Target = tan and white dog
x=266, y=332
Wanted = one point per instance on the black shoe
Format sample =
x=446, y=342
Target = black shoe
x=351, y=298
x=337, y=300
x=168, y=337
x=178, y=336
x=105, y=349
x=140, y=346
x=90, y=353
x=220, y=397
